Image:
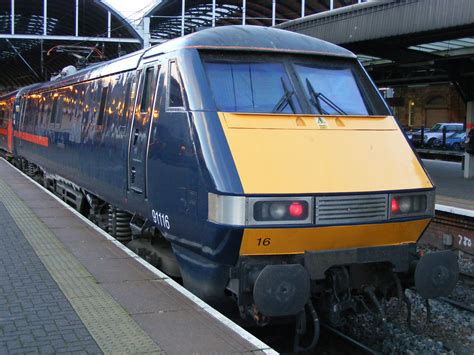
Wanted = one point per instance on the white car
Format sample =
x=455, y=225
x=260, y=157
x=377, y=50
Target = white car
x=436, y=132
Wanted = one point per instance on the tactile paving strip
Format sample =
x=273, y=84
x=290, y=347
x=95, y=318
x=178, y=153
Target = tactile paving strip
x=109, y=324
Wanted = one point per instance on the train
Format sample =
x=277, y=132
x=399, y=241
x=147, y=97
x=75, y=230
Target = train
x=254, y=164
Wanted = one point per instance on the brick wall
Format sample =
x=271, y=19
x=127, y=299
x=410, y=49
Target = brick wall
x=442, y=96
x=450, y=230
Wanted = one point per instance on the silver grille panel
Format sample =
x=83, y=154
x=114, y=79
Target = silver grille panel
x=351, y=209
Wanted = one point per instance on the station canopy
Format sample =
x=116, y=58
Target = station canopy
x=166, y=20
x=39, y=38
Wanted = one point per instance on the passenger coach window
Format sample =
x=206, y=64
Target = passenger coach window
x=175, y=97
x=332, y=90
x=103, y=101
x=54, y=110
x=250, y=87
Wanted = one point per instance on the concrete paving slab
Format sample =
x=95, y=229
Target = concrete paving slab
x=115, y=270
x=88, y=251
x=182, y=332
x=157, y=301
x=62, y=222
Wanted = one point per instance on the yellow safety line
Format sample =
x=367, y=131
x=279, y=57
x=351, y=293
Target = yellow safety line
x=107, y=321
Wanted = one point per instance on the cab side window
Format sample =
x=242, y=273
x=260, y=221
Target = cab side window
x=147, y=90
x=175, y=96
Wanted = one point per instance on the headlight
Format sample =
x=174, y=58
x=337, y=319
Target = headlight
x=411, y=204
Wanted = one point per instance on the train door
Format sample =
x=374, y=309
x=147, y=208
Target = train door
x=10, y=127
x=15, y=126
x=141, y=129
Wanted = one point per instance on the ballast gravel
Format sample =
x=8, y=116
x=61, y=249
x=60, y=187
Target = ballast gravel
x=450, y=330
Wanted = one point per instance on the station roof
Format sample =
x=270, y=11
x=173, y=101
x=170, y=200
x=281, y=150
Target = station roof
x=423, y=20
x=166, y=16
x=26, y=38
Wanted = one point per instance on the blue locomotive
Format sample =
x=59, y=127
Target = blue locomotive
x=248, y=161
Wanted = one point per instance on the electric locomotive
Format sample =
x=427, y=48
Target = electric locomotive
x=251, y=162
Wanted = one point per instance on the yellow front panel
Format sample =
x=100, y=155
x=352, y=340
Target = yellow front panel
x=298, y=240
x=289, y=154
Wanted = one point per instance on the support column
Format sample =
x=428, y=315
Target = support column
x=12, y=17
x=146, y=32
x=109, y=24
x=183, y=9
x=273, y=12
x=469, y=158
x=77, y=18
x=244, y=11
x=213, y=13
x=45, y=17
x=303, y=6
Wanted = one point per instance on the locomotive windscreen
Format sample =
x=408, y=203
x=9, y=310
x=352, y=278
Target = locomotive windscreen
x=337, y=84
x=248, y=87
x=288, y=84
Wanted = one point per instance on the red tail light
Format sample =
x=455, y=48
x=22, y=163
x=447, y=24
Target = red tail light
x=394, y=206
x=296, y=209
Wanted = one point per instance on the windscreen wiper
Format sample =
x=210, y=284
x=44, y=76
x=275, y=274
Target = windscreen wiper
x=317, y=96
x=285, y=99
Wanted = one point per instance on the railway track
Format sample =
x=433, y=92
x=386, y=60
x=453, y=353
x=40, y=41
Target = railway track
x=346, y=343
x=467, y=279
x=457, y=304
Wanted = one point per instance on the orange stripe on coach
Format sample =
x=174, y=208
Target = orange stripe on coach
x=32, y=138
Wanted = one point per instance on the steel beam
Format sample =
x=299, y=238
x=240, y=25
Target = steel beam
x=71, y=38
x=23, y=59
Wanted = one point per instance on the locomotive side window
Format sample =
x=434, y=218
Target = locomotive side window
x=251, y=87
x=175, y=97
x=147, y=90
x=331, y=90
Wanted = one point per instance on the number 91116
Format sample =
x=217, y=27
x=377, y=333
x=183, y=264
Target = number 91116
x=161, y=219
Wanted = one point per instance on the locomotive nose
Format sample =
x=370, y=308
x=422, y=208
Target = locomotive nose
x=281, y=290
x=436, y=274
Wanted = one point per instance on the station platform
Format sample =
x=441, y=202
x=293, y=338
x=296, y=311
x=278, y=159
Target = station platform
x=68, y=287
x=454, y=193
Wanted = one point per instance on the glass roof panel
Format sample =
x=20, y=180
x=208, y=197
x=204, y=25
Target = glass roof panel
x=444, y=47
